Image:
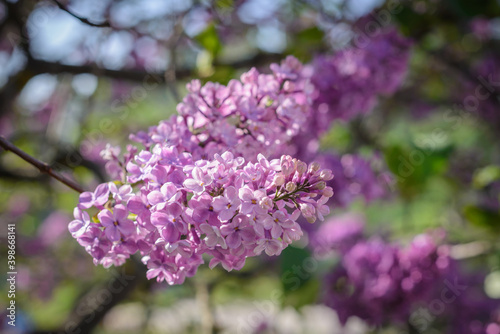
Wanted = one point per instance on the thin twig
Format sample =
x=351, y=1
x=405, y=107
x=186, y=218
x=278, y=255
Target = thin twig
x=43, y=167
x=81, y=19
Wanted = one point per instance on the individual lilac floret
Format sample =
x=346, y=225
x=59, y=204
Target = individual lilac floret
x=97, y=198
x=116, y=224
x=81, y=223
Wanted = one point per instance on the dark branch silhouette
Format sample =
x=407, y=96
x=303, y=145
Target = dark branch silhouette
x=38, y=66
x=93, y=305
x=81, y=19
x=43, y=167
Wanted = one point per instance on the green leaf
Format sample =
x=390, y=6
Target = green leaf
x=209, y=39
x=414, y=166
x=221, y=74
x=310, y=35
x=307, y=294
x=295, y=268
x=224, y=4
x=305, y=42
x=483, y=218
x=486, y=176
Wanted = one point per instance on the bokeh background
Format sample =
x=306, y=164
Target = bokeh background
x=422, y=157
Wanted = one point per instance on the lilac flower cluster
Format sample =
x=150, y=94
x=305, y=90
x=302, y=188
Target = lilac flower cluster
x=173, y=204
x=385, y=283
x=355, y=177
x=472, y=311
x=378, y=281
x=350, y=80
x=259, y=113
x=173, y=210
x=203, y=183
x=348, y=83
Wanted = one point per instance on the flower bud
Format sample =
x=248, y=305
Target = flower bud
x=320, y=185
x=307, y=209
x=326, y=175
x=287, y=165
x=314, y=167
x=311, y=219
x=328, y=192
x=291, y=186
x=301, y=167
x=279, y=180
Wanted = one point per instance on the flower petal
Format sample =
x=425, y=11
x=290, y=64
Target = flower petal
x=233, y=240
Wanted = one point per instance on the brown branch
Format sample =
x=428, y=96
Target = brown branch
x=11, y=176
x=81, y=19
x=41, y=66
x=43, y=167
x=117, y=290
x=92, y=306
x=447, y=59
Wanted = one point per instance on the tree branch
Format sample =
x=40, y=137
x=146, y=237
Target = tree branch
x=91, y=308
x=107, y=296
x=43, y=167
x=41, y=66
x=9, y=175
x=81, y=19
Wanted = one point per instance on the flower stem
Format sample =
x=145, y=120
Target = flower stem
x=289, y=195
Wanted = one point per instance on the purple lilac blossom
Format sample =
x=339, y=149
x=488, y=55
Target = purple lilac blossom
x=190, y=191
x=338, y=233
x=380, y=282
x=354, y=177
x=349, y=81
x=255, y=214
x=383, y=283
x=259, y=113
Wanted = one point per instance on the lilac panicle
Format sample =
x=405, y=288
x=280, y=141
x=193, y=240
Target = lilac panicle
x=382, y=282
x=226, y=208
x=351, y=79
x=259, y=113
x=212, y=179
x=348, y=83
x=203, y=183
